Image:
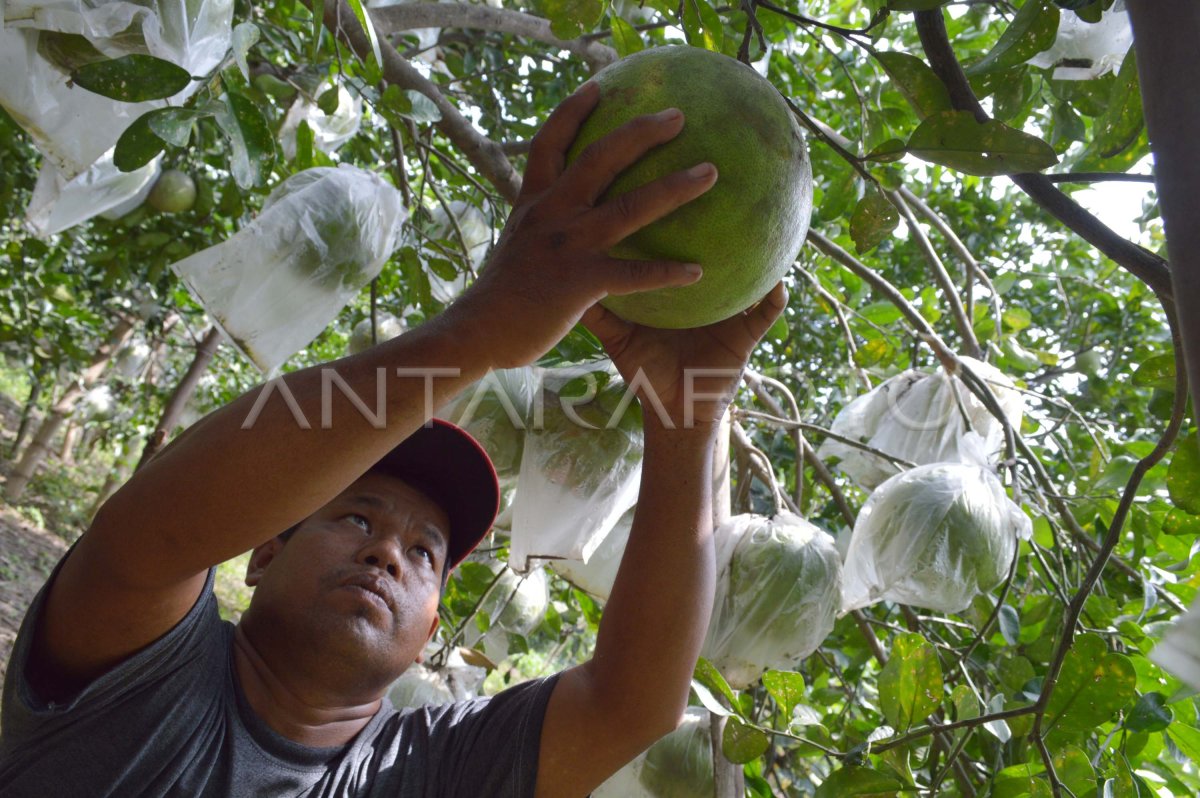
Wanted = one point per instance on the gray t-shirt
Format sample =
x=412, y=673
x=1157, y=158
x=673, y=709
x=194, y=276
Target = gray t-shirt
x=172, y=720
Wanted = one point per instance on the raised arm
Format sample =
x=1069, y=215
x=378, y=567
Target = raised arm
x=253, y=468
x=635, y=687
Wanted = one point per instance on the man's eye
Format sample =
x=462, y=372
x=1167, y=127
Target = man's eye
x=424, y=553
x=359, y=521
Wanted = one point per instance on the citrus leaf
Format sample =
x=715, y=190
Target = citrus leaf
x=955, y=139
x=250, y=137
x=888, y=151
x=625, y=38
x=1187, y=739
x=1156, y=371
x=786, y=687
x=133, y=78
x=703, y=25
x=329, y=101
x=1073, y=769
x=1149, y=714
x=572, y=18
x=1118, y=127
x=1092, y=686
x=245, y=36
x=174, y=125
x=1183, y=476
x=873, y=220
x=138, y=145
x=364, y=19
x=741, y=742
x=707, y=674
x=1032, y=30
x=424, y=110
x=856, y=780
x=304, y=146
x=918, y=83
x=1179, y=522
x=910, y=685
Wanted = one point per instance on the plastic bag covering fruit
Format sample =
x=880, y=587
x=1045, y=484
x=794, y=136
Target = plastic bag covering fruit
x=580, y=467
x=58, y=204
x=596, y=576
x=497, y=411
x=387, y=327
x=516, y=603
x=1084, y=50
x=476, y=236
x=677, y=766
x=1179, y=651
x=330, y=131
x=747, y=230
x=919, y=418
x=71, y=126
x=777, y=599
x=933, y=537
x=419, y=687
x=273, y=286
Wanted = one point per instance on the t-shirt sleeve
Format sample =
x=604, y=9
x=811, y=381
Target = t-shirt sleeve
x=486, y=746
x=143, y=695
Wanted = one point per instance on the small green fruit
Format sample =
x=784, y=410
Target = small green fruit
x=174, y=192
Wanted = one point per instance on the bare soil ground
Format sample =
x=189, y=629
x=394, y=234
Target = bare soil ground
x=27, y=555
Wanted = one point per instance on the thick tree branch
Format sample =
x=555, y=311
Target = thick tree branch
x=1140, y=262
x=481, y=151
x=408, y=16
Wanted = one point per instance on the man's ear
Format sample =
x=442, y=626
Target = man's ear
x=432, y=629
x=260, y=558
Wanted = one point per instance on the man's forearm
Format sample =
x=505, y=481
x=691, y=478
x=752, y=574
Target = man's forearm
x=656, y=617
x=262, y=463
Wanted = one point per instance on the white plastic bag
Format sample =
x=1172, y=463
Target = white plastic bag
x=776, y=600
x=677, y=766
x=58, y=204
x=919, y=418
x=596, y=576
x=933, y=537
x=420, y=687
x=581, y=465
x=273, y=286
x=1084, y=50
x=497, y=411
x=1179, y=651
x=517, y=603
x=70, y=125
x=330, y=131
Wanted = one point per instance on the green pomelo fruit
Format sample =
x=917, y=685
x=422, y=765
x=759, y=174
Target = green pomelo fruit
x=748, y=228
x=388, y=327
x=173, y=192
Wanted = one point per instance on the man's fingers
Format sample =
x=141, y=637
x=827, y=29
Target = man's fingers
x=607, y=326
x=548, y=150
x=604, y=159
x=618, y=277
x=627, y=213
x=759, y=318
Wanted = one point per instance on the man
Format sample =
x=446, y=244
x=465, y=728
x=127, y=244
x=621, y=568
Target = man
x=124, y=682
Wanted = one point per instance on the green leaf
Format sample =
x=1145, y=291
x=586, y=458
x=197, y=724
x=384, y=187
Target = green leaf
x=707, y=674
x=138, y=145
x=1179, y=522
x=888, y=151
x=1187, y=738
x=304, y=146
x=253, y=145
x=1118, y=127
x=919, y=84
x=915, y=5
x=786, y=687
x=625, y=38
x=174, y=125
x=1156, y=371
x=1075, y=770
x=1092, y=686
x=67, y=51
x=1183, y=477
x=910, y=685
x=702, y=25
x=873, y=220
x=245, y=36
x=1010, y=625
x=364, y=19
x=872, y=352
x=955, y=139
x=394, y=104
x=778, y=331
x=572, y=18
x=741, y=742
x=329, y=100
x=1150, y=713
x=1032, y=30
x=133, y=78
x=857, y=780
x=424, y=110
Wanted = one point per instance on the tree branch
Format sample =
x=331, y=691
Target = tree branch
x=407, y=16
x=1140, y=262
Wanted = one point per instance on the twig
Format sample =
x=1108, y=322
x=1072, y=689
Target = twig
x=1099, y=177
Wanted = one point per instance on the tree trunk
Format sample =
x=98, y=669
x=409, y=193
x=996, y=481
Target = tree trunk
x=70, y=440
x=728, y=781
x=35, y=393
x=119, y=473
x=62, y=409
x=1165, y=36
x=180, y=396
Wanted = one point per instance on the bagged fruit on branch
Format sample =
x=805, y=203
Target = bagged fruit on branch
x=58, y=204
x=677, y=766
x=933, y=537
x=1085, y=50
x=387, y=327
x=515, y=604
x=497, y=411
x=777, y=598
x=1179, y=651
x=422, y=685
x=323, y=234
x=921, y=418
x=44, y=40
x=596, y=576
x=580, y=467
x=330, y=131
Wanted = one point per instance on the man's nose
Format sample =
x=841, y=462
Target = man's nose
x=383, y=553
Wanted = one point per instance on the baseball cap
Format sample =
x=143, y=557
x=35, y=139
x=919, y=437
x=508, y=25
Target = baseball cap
x=445, y=462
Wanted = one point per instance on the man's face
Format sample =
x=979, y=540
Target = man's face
x=359, y=581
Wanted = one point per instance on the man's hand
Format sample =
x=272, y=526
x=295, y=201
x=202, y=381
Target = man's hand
x=551, y=264
x=688, y=375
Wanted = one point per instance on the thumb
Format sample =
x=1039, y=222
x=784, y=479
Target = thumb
x=631, y=276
